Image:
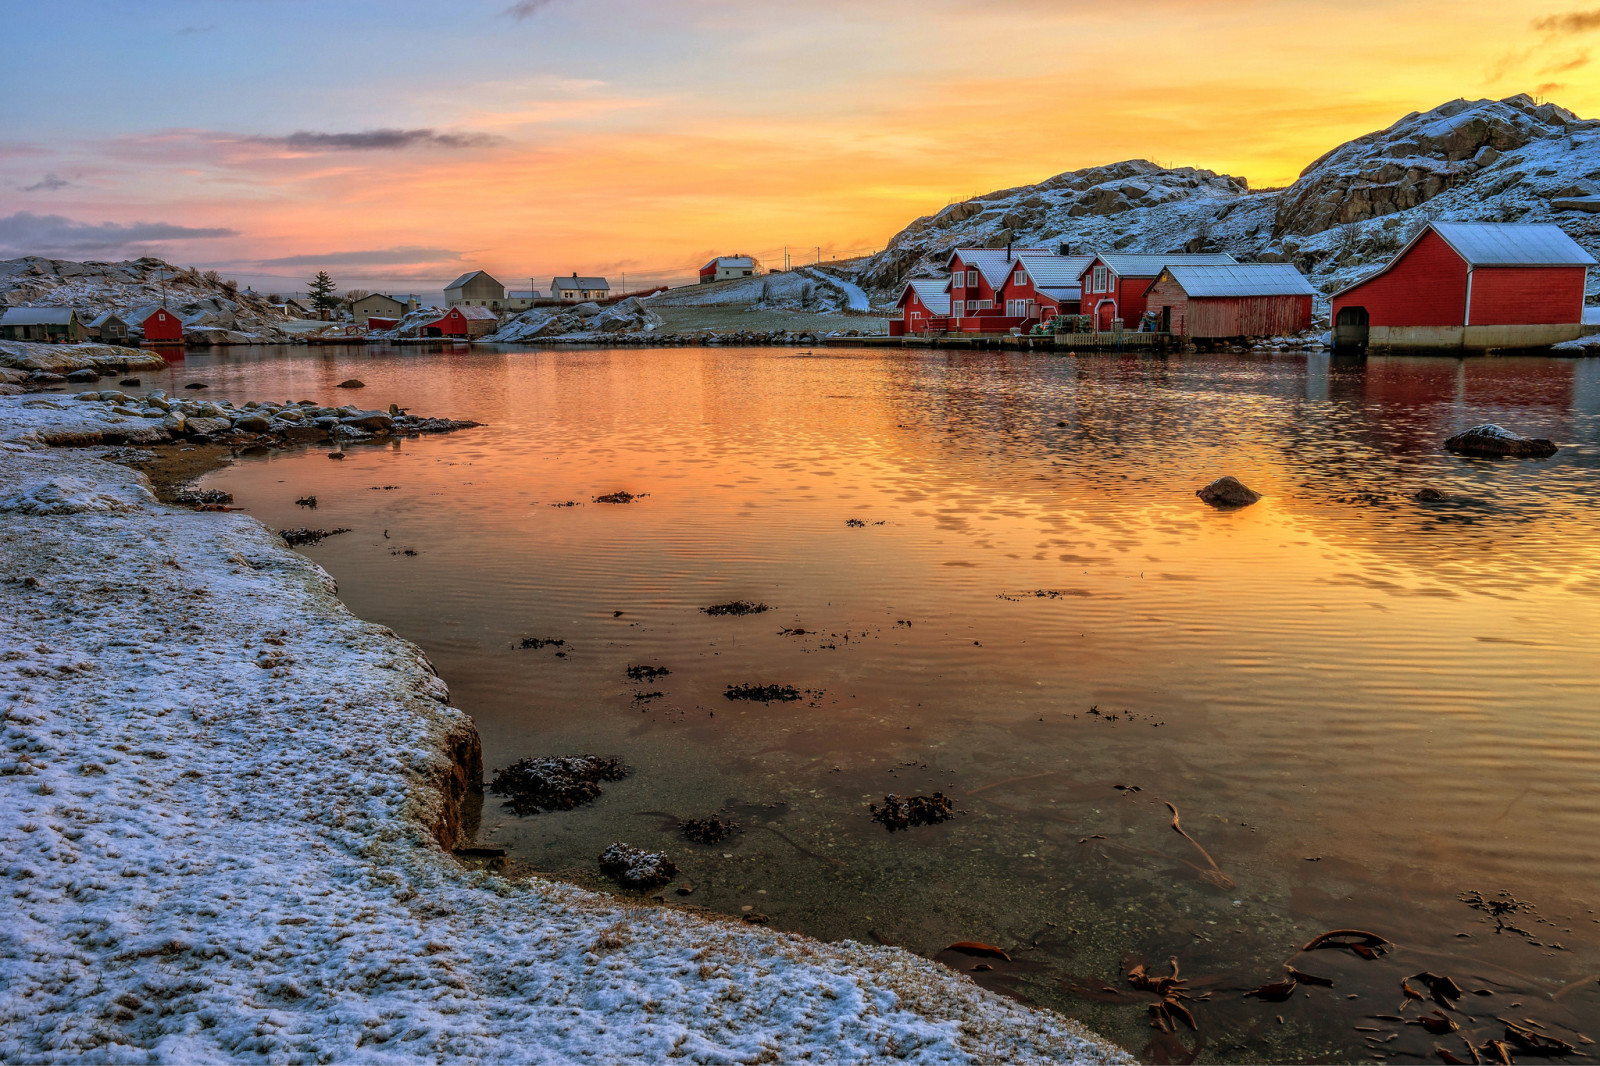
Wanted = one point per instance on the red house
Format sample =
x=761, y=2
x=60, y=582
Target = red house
x=1114, y=283
x=462, y=322
x=1040, y=286
x=1243, y=300
x=924, y=305
x=160, y=326
x=1469, y=285
x=976, y=277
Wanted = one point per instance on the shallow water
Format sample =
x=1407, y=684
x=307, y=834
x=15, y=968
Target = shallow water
x=1362, y=706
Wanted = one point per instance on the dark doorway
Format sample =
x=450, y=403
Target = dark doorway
x=1166, y=319
x=1350, y=330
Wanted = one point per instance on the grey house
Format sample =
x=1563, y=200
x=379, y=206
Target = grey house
x=381, y=305
x=577, y=290
x=41, y=324
x=476, y=289
x=108, y=328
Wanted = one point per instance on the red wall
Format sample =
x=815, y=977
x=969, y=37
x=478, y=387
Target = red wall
x=1427, y=287
x=1515, y=296
x=1126, y=296
x=157, y=330
x=1047, y=305
x=984, y=291
x=914, y=317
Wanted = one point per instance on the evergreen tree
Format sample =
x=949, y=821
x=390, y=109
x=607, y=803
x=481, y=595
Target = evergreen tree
x=321, y=290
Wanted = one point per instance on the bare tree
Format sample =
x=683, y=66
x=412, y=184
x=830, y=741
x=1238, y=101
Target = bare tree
x=808, y=296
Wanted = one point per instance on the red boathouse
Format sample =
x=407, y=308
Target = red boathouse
x=1243, y=300
x=1469, y=285
x=162, y=326
x=1114, y=283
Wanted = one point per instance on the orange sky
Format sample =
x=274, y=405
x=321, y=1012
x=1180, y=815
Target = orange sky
x=643, y=137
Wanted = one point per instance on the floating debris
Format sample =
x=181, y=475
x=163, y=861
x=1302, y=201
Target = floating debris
x=647, y=673
x=763, y=693
x=855, y=523
x=307, y=501
x=301, y=535
x=646, y=697
x=897, y=813
x=202, y=497
x=736, y=607
x=1172, y=989
x=620, y=497
x=542, y=642
x=707, y=830
x=1366, y=945
x=555, y=783
x=636, y=868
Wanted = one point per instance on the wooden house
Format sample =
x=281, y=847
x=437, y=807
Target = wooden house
x=1469, y=285
x=575, y=290
x=157, y=325
x=976, y=278
x=475, y=289
x=924, y=305
x=1113, y=284
x=1041, y=285
x=1241, y=300
x=108, y=327
x=381, y=306
x=57, y=324
x=462, y=323
x=729, y=267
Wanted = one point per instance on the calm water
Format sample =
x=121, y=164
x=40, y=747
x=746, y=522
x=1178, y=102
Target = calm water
x=1362, y=706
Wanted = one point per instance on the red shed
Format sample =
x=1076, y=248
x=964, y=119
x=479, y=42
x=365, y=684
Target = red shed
x=1472, y=285
x=1114, y=283
x=1242, y=300
x=161, y=326
x=924, y=304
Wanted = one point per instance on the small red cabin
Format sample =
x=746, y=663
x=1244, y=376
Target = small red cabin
x=162, y=326
x=924, y=305
x=1243, y=300
x=1473, y=285
x=1114, y=284
x=463, y=322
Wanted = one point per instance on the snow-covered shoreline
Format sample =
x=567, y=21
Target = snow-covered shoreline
x=228, y=804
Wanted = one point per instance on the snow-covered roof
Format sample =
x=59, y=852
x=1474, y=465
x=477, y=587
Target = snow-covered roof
x=1241, y=279
x=463, y=279
x=1512, y=244
x=106, y=316
x=522, y=294
x=731, y=262
x=575, y=282
x=994, y=263
x=36, y=316
x=382, y=296
x=1053, y=271
x=933, y=292
x=478, y=313
x=1147, y=265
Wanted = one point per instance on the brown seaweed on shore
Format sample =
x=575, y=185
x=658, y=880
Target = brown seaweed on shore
x=1366, y=945
x=736, y=607
x=647, y=673
x=763, y=693
x=1172, y=989
x=1274, y=992
x=1213, y=876
x=620, y=497
x=707, y=830
x=301, y=535
x=897, y=813
x=978, y=947
x=555, y=783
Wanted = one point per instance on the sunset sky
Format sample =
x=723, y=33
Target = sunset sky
x=396, y=144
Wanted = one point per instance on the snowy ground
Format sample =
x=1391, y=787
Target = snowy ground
x=221, y=801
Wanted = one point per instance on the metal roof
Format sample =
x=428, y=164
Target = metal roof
x=933, y=292
x=105, y=316
x=37, y=316
x=463, y=279
x=994, y=263
x=478, y=312
x=576, y=282
x=1053, y=271
x=1512, y=244
x=1148, y=265
x=1241, y=279
x=732, y=262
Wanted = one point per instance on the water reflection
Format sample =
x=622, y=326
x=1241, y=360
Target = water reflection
x=1362, y=705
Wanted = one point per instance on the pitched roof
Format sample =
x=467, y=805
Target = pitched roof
x=1512, y=244
x=1495, y=244
x=382, y=296
x=580, y=283
x=36, y=316
x=1048, y=271
x=463, y=279
x=1148, y=265
x=933, y=292
x=994, y=263
x=732, y=262
x=105, y=316
x=1241, y=279
x=478, y=312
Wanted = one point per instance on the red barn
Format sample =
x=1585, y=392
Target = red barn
x=1469, y=285
x=1114, y=284
x=1040, y=286
x=924, y=305
x=1242, y=300
x=160, y=326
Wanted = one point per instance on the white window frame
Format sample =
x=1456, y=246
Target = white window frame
x=972, y=277
x=1020, y=277
x=1102, y=279
x=985, y=305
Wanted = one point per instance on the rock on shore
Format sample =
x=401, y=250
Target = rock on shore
x=1494, y=441
x=226, y=806
x=66, y=358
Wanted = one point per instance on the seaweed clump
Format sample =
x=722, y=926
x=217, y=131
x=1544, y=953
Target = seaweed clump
x=301, y=535
x=707, y=830
x=555, y=783
x=897, y=813
x=736, y=607
x=647, y=673
x=636, y=868
x=763, y=693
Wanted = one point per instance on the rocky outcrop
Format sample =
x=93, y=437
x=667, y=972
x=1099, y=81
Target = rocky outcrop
x=1497, y=442
x=1415, y=160
x=69, y=358
x=585, y=320
x=1228, y=492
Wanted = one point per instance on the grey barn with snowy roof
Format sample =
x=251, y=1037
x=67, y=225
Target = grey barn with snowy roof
x=475, y=289
x=41, y=324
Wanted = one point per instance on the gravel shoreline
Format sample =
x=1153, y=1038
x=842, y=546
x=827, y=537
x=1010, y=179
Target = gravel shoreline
x=228, y=809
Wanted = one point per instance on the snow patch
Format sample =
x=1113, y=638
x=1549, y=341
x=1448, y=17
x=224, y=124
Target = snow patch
x=74, y=495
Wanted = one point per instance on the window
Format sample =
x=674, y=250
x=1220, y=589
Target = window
x=1102, y=279
x=972, y=279
x=1020, y=278
x=984, y=305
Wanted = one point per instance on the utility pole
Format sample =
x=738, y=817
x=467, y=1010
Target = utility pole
x=531, y=290
x=819, y=255
x=786, y=259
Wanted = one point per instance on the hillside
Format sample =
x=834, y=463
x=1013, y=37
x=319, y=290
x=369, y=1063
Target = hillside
x=1486, y=160
x=210, y=307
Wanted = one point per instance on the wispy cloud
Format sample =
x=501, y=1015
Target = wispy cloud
x=1569, y=22
x=398, y=256
x=25, y=233
x=526, y=9
x=48, y=183
x=376, y=140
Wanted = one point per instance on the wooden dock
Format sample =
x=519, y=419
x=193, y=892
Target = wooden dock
x=1051, y=342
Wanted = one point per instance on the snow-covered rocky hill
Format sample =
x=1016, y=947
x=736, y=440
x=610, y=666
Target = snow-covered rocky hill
x=1506, y=160
x=212, y=308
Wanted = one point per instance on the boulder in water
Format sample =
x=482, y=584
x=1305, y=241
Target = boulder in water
x=351, y=383
x=1497, y=442
x=1228, y=492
